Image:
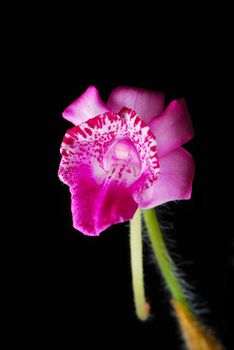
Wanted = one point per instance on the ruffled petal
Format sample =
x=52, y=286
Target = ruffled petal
x=146, y=103
x=93, y=187
x=96, y=206
x=174, y=180
x=106, y=162
x=87, y=106
x=145, y=143
x=173, y=127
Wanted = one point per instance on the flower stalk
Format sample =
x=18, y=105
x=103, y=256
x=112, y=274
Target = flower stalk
x=195, y=335
x=141, y=306
x=163, y=258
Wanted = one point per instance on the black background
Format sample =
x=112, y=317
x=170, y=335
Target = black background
x=60, y=287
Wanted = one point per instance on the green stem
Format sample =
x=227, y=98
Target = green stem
x=142, y=308
x=163, y=258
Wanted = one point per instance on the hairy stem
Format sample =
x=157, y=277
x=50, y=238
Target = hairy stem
x=163, y=258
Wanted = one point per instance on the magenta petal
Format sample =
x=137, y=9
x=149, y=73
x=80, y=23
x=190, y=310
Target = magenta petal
x=172, y=128
x=174, y=180
x=145, y=144
x=146, y=103
x=107, y=161
x=101, y=189
x=96, y=206
x=87, y=106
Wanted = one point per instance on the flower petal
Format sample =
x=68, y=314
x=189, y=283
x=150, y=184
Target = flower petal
x=106, y=162
x=146, y=103
x=96, y=206
x=173, y=127
x=87, y=106
x=146, y=146
x=99, y=197
x=174, y=180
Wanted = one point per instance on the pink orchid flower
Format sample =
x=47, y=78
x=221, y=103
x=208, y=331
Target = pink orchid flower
x=123, y=155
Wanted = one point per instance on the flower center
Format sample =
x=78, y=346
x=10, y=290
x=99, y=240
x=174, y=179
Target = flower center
x=122, y=149
x=122, y=158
